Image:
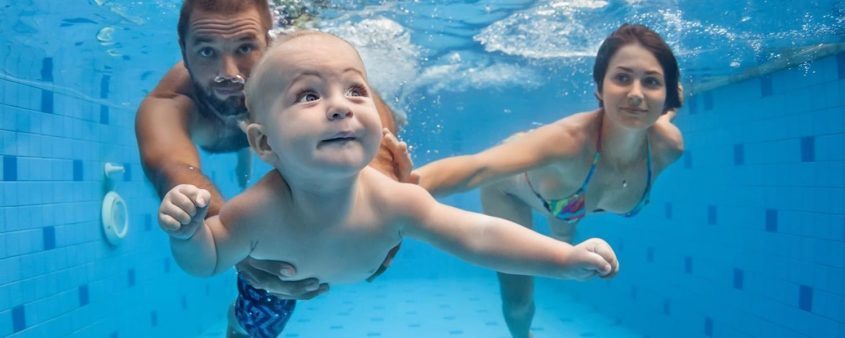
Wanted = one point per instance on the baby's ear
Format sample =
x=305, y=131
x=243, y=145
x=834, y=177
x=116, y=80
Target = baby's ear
x=258, y=142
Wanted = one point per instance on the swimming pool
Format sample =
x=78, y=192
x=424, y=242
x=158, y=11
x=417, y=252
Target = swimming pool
x=744, y=235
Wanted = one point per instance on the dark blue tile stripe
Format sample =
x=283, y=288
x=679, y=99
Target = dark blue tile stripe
x=708, y=327
x=771, y=220
x=104, y=86
x=49, y=236
x=739, y=154
x=738, y=279
x=104, y=114
x=47, y=69
x=18, y=318
x=711, y=214
x=808, y=149
x=47, y=102
x=805, y=298
x=840, y=64
x=687, y=159
x=131, y=277
x=77, y=170
x=10, y=168
x=83, y=295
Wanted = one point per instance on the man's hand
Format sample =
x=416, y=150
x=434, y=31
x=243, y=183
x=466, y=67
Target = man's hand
x=269, y=275
x=402, y=163
x=183, y=210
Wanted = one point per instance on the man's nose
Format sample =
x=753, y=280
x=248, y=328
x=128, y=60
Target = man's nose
x=229, y=67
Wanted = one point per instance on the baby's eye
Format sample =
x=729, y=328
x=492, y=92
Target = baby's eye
x=307, y=96
x=206, y=52
x=356, y=91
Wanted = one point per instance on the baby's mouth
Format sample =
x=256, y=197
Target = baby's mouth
x=339, y=138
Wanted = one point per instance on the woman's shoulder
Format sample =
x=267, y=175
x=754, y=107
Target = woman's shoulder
x=667, y=142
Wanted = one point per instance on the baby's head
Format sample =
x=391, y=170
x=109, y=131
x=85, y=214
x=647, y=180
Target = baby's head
x=311, y=108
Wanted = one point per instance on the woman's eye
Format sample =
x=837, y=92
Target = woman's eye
x=356, y=91
x=652, y=83
x=307, y=97
x=206, y=52
x=623, y=78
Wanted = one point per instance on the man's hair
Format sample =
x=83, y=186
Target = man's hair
x=223, y=7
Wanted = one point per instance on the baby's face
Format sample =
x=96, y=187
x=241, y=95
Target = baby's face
x=319, y=113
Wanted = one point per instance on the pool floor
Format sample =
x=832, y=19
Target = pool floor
x=437, y=308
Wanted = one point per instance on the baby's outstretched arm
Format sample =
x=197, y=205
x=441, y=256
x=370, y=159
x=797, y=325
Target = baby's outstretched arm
x=202, y=247
x=502, y=245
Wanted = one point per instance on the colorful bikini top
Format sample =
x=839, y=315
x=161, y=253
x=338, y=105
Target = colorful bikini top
x=572, y=210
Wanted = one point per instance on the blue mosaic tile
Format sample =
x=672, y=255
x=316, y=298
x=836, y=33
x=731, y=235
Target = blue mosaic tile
x=18, y=318
x=77, y=170
x=104, y=114
x=805, y=298
x=130, y=276
x=739, y=154
x=10, y=168
x=49, y=237
x=771, y=220
x=808, y=149
x=711, y=214
x=84, y=296
x=738, y=279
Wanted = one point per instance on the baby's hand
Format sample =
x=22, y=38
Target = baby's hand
x=592, y=257
x=183, y=210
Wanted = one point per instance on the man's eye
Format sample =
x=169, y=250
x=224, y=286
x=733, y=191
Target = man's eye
x=206, y=52
x=246, y=49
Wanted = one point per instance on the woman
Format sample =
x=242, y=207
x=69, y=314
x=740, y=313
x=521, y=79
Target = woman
x=604, y=160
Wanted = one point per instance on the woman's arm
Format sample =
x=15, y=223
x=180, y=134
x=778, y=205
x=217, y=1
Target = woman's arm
x=520, y=153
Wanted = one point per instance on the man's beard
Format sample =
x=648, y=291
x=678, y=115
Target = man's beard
x=230, y=110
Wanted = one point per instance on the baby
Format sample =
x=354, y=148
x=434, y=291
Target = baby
x=322, y=209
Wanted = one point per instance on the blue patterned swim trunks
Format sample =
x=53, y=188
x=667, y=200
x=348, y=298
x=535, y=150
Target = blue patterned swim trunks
x=261, y=314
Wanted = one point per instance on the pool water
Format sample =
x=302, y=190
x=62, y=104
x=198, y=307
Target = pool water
x=744, y=236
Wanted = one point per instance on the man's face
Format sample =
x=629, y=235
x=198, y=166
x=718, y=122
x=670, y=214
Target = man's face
x=220, y=51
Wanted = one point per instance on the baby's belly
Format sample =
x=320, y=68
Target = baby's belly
x=334, y=266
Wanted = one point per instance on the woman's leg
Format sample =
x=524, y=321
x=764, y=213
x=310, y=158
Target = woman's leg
x=517, y=291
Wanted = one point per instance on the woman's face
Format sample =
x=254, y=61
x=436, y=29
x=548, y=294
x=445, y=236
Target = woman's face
x=634, y=88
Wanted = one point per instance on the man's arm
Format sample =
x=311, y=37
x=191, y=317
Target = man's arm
x=162, y=126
